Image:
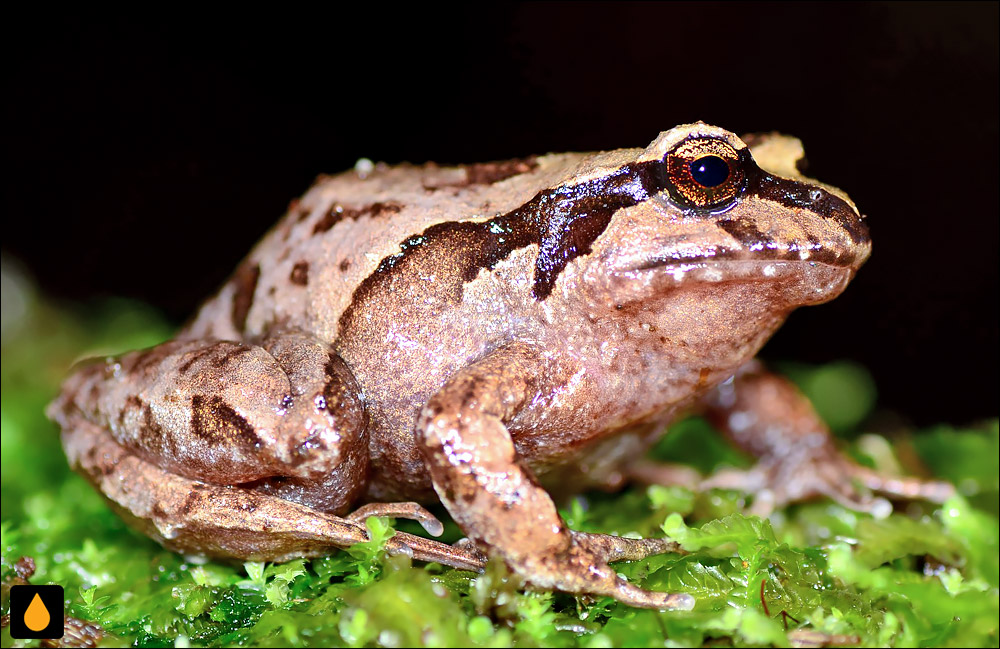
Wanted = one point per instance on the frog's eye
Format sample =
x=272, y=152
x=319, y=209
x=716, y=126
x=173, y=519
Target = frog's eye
x=704, y=173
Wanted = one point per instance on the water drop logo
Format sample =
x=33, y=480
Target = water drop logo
x=36, y=612
x=37, y=617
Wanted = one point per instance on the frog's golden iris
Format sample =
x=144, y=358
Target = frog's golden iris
x=704, y=173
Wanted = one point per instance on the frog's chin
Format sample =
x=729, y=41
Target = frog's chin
x=803, y=282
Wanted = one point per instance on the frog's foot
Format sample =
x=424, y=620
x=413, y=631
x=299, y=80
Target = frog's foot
x=577, y=569
x=767, y=416
x=776, y=482
x=573, y=572
x=408, y=510
x=607, y=547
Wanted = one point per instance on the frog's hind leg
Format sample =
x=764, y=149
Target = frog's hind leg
x=226, y=522
x=284, y=417
x=765, y=415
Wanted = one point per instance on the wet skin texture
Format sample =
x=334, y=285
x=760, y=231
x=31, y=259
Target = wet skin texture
x=484, y=336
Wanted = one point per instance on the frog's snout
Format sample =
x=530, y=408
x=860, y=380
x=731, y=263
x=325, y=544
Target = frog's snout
x=809, y=221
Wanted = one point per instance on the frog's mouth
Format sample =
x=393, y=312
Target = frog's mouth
x=725, y=257
x=814, y=281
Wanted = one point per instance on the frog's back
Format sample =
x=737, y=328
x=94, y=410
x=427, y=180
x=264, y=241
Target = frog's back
x=305, y=273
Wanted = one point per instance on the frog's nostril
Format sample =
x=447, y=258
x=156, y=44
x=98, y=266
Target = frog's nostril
x=815, y=195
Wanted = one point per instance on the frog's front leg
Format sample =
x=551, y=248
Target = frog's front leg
x=462, y=433
x=765, y=415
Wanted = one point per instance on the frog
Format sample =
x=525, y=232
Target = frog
x=492, y=337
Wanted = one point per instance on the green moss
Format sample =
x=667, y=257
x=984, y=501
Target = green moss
x=924, y=577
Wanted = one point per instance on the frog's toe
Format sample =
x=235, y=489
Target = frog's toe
x=641, y=598
x=619, y=548
x=903, y=487
x=465, y=544
x=408, y=510
x=417, y=547
x=600, y=579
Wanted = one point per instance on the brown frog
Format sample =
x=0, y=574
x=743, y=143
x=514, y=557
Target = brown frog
x=479, y=335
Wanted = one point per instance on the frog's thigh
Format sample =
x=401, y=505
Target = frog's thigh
x=768, y=417
x=463, y=436
x=284, y=415
x=227, y=522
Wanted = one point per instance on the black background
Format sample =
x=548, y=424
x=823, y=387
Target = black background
x=144, y=156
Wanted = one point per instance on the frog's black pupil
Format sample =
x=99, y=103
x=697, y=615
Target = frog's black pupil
x=710, y=171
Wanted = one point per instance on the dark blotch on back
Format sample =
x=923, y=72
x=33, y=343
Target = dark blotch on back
x=300, y=273
x=487, y=173
x=340, y=397
x=337, y=213
x=753, y=139
x=214, y=420
x=224, y=352
x=563, y=221
x=152, y=437
x=245, y=283
x=194, y=357
x=149, y=360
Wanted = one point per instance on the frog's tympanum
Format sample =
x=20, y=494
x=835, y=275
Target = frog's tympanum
x=485, y=336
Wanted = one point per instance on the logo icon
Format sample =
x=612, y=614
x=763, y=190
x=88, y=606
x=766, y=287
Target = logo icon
x=36, y=612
